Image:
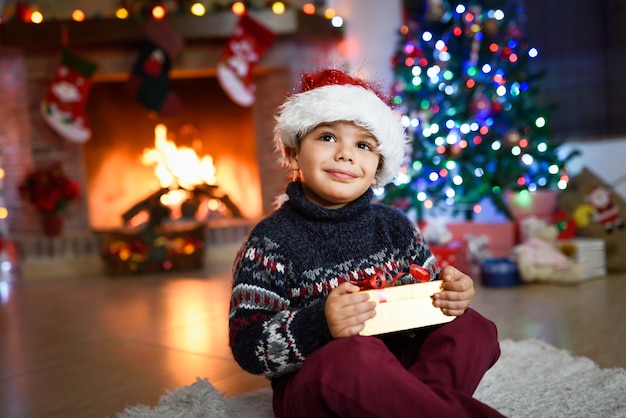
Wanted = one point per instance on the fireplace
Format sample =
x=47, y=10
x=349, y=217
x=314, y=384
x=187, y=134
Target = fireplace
x=108, y=165
x=209, y=125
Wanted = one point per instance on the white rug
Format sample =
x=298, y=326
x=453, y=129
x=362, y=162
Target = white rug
x=531, y=379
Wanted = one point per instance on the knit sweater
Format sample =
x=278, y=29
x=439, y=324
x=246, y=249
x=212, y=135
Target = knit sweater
x=291, y=261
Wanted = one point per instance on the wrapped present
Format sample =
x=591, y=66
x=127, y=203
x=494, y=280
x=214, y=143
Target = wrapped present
x=499, y=272
x=591, y=254
x=453, y=253
x=404, y=307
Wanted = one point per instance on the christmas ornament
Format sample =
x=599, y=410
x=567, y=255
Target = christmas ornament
x=64, y=104
x=148, y=81
x=245, y=47
x=605, y=211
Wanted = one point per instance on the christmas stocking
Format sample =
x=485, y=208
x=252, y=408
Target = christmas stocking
x=64, y=104
x=149, y=82
x=245, y=47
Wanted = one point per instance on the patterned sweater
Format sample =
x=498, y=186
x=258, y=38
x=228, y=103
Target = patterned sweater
x=294, y=258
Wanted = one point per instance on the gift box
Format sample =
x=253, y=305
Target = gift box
x=499, y=272
x=404, y=307
x=591, y=254
x=453, y=253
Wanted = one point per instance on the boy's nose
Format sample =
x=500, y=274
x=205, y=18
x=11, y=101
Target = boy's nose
x=344, y=153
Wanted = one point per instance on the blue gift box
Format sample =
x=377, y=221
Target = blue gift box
x=499, y=272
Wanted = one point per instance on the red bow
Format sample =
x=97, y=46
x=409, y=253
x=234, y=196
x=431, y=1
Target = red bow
x=379, y=280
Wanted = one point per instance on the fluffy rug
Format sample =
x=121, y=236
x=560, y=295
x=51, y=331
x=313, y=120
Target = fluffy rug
x=531, y=379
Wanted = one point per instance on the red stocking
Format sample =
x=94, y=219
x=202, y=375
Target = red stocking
x=64, y=105
x=247, y=43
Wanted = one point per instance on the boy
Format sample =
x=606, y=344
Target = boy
x=295, y=313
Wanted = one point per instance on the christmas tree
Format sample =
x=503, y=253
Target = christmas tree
x=466, y=86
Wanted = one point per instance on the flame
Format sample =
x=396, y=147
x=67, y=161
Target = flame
x=177, y=167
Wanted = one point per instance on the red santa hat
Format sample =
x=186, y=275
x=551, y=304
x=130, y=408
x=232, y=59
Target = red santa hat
x=333, y=95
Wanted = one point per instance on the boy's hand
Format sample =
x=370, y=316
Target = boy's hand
x=346, y=311
x=458, y=291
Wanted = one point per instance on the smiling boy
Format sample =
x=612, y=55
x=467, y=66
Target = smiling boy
x=295, y=310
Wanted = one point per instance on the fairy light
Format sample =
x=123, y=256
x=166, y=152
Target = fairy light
x=158, y=12
x=238, y=8
x=278, y=7
x=308, y=9
x=36, y=17
x=121, y=13
x=336, y=21
x=198, y=9
x=78, y=15
x=540, y=122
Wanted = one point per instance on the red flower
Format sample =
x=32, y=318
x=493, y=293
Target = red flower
x=49, y=190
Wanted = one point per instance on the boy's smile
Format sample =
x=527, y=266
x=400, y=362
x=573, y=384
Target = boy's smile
x=336, y=163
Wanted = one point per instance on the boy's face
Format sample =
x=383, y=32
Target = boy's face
x=336, y=163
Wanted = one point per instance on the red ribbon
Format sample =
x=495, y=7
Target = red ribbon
x=380, y=281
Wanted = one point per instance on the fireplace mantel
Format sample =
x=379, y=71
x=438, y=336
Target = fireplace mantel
x=105, y=32
x=29, y=56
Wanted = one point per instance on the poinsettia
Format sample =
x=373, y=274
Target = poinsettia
x=48, y=189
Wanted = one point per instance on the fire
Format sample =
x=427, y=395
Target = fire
x=178, y=169
x=177, y=166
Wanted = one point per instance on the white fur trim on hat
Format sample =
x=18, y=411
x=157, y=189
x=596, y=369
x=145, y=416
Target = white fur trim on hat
x=302, y=112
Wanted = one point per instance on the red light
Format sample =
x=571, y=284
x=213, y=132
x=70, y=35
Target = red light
x=309, y=9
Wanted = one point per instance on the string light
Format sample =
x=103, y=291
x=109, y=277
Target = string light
x=278, y=7
x=238, y=8
x=198, y=9
x=160, y=9
x=36, y=17
x=158, y=12
x=121, y=13
x=78, y=15
x=309, y=9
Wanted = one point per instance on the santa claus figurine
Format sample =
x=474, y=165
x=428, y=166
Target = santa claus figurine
x=605, y=211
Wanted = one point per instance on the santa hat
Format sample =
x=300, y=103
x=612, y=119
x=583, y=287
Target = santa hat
x=333, y=95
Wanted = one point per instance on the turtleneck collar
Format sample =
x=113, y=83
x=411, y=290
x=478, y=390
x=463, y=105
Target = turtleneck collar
x=313, y=211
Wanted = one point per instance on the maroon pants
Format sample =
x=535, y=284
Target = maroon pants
x=433, y=374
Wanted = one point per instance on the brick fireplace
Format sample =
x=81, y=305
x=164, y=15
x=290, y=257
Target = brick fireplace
x=107, y=166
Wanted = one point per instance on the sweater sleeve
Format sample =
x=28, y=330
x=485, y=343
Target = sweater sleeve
x=267, y=334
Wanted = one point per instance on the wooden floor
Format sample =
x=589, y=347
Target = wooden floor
x=89, y=347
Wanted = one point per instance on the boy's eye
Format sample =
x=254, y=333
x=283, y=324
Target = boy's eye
x=327, y=138
x=366, y=146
